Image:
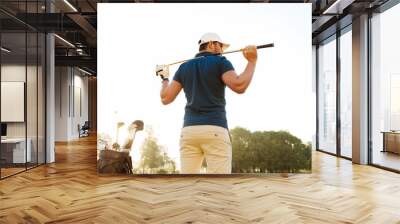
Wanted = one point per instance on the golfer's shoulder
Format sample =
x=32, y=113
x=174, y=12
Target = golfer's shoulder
x=223, y=61
x=217, y=59
x=222, y=58
x=184, y=67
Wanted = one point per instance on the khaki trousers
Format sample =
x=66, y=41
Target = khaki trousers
x=205, y=141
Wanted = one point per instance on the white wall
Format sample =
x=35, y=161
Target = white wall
x=71, y=94
x=12, y=73
x=34, y=125
x=62, y=78
x=80, y=103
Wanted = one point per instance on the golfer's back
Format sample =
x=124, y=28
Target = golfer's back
x=204, y=89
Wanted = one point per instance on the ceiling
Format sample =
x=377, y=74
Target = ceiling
x=76, y=22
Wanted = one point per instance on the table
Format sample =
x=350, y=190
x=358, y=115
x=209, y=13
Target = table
x=391, y=141
x=13, y=150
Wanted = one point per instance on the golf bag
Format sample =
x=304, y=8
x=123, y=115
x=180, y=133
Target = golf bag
x=114, y=162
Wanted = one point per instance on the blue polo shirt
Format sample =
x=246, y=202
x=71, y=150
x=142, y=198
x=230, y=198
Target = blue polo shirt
x=201, y=79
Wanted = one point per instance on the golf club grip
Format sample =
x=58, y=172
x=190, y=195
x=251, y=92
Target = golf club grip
x=265, y=46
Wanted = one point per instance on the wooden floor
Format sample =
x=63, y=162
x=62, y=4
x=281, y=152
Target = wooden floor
x=5, y=172
x=70, y=191
x=387, y=159
x=10, y=171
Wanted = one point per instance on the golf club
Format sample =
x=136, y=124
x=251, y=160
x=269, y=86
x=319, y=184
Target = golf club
x=132, y=129
x=116, y=145
x=227, y=52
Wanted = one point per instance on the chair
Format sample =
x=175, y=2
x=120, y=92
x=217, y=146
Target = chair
x=84, y=130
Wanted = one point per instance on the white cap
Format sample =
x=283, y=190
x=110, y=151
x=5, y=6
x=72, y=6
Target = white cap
x=208, y=37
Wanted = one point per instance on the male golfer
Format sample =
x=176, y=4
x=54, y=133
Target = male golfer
x=203, y=79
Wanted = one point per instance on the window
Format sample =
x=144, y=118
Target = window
x=385, y=88
x=327, y=96
x=22, y=93
x=346, y=94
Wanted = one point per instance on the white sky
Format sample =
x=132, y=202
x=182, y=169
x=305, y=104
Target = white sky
x=133, y=38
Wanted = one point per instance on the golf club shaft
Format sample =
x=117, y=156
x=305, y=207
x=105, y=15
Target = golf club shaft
x=258, y=47
x=227, y=52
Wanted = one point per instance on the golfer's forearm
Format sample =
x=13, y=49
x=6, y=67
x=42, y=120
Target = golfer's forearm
x=244, y=79
x=163, y=92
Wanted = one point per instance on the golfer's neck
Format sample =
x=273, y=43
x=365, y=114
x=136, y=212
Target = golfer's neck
x=209, y=51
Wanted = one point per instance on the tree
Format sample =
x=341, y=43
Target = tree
x=154, y=157
x=151, y=156
x=241, y=154
x=268, y=151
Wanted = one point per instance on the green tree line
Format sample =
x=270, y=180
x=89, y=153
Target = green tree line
x=252, y=152
x=268, y=151
x=154, y=159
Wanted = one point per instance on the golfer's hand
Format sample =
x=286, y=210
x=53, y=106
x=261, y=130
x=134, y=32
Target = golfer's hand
x=250, y=53
x=162, y=71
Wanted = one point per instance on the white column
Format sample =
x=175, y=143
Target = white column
x=50, y=92
x=314, y=88
x=360, y=90
x=50, y=99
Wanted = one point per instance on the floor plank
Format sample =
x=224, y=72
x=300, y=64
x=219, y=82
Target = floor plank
x=70, y=191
